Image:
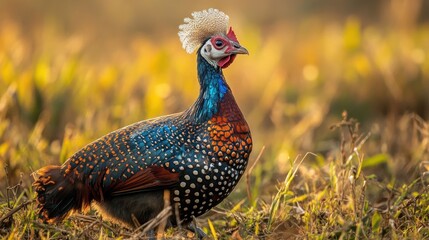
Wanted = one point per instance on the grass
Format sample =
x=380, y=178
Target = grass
x=317, y=171
x=335, y=199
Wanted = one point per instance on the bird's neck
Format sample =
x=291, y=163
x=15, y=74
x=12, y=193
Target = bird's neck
x=213, y=89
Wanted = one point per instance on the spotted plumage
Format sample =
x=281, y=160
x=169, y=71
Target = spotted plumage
x=197, y=155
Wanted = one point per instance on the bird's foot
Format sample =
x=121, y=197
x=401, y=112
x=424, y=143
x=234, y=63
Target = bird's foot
x=199, y=233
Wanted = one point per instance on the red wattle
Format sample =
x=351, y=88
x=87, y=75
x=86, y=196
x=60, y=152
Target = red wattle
x=223, y=61
x=226, y=61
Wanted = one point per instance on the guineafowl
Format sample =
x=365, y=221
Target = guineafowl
x=194, y=158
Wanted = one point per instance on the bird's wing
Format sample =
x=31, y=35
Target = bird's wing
x=147, y=179
x=127, y=160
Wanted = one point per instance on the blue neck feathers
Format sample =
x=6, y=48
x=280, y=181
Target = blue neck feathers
x=212, y=90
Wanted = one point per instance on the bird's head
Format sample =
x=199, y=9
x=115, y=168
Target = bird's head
x=208, y=30
x=221, y=50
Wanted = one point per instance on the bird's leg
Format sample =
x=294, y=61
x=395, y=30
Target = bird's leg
x=199, y=233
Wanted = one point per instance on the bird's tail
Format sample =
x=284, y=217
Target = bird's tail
x=56, y=194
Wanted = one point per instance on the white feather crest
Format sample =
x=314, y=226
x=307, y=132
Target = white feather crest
x=204, y=24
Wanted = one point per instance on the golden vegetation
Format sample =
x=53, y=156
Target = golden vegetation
x=322, y=174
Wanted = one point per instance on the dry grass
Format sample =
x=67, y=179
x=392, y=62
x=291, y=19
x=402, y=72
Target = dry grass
x=322, y=173
x=341, y=196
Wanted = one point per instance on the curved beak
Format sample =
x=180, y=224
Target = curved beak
x=237, y=49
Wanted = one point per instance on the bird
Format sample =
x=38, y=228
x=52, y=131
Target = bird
x=192, y=159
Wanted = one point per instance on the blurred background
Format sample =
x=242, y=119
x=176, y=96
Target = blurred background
x=72, y=71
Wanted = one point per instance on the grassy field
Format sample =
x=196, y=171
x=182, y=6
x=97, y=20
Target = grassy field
x=337, y=101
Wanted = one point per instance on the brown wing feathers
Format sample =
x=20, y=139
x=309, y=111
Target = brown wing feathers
x=147, y=179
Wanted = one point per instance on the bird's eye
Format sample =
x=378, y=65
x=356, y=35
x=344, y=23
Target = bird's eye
x=219, y=43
